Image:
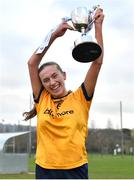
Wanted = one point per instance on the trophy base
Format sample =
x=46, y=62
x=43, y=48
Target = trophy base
x=86, y=52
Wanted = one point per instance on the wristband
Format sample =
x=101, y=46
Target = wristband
x=44, y=43
x=46, y=40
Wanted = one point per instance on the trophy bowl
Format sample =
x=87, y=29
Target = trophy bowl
x=85, y=49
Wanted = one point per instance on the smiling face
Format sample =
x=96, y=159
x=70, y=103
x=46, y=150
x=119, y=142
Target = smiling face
x=53, y=80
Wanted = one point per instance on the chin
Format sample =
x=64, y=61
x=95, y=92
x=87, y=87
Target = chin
x=57, y=95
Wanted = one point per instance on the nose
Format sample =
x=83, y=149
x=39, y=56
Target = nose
x=52, y=81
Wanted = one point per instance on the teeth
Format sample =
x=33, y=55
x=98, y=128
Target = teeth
x=54, y=88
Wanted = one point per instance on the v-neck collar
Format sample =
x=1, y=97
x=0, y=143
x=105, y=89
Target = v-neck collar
x=55, y=99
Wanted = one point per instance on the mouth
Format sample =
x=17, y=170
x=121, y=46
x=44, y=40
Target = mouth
x=55, y=88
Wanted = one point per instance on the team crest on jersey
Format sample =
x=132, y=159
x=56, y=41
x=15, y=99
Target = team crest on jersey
x=58, y=104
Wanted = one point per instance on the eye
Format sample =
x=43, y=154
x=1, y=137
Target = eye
x=45, y=80
x=54, y=76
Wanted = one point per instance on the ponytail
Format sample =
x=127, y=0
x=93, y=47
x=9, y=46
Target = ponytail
x=29, y=115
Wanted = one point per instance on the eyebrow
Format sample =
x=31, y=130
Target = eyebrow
x=47, y=78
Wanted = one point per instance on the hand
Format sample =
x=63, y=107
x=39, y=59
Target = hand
x=99, y=16
x=61, y=29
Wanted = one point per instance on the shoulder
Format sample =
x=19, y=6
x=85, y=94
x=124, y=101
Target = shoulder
x=81, y=93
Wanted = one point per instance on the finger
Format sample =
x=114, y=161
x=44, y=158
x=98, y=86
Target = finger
x=98, y=14
x=68, y=25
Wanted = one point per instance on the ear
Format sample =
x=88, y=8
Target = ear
x=64, y=75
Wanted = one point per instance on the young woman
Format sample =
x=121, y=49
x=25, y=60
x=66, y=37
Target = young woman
x=62, y=115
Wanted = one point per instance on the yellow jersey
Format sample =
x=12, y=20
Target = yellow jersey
x=62, y=126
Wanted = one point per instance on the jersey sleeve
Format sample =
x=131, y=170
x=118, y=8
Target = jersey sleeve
x=82, y=96
x=36, y=100
x=42, y=94
x=88, y=98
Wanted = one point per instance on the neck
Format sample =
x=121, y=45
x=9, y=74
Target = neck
x=65, y=94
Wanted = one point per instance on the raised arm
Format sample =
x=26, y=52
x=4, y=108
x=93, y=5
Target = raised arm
x=35, y=59
x=93, y=72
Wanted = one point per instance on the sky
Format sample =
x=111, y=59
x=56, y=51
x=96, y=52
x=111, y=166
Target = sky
x=24, y=24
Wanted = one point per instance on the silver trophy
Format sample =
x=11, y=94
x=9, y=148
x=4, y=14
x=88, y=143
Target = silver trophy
x=85, y=49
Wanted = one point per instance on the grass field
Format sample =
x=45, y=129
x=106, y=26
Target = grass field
x=100, y=167
x=111, y=167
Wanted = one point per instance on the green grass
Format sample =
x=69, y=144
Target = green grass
x=111, y=167
x=32, y=163
x=100, y=167
x=17, y=176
